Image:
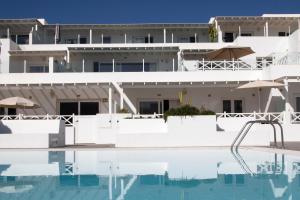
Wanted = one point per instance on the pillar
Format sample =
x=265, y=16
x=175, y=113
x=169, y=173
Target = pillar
x=109, y=100
x=51, y=64
x=149, y=37
x=173, y=65
x=298, y=23
x=31, y=36
x=83, y=65
x=102, y=38
x=195, y=37
x=179, y=60
x=172, y=38
x=91, y=36
x=78, y=39
x=220, y=35
x=240, y=31
x=113, y=63
x=165, y=35
x=125, y=38
x=25, y=65
x=143, y=64
x=267, y=29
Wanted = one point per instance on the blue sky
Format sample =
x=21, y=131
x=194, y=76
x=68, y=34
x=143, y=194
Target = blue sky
x=138, y=11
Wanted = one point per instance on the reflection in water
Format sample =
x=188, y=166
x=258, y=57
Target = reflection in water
x=148, y=174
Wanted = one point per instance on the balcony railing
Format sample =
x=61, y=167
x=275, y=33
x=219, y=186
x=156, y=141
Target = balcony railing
x=274, y=116
x=226, y=65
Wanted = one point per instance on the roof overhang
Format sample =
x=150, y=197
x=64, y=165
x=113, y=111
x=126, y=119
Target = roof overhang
x=121, y=49
x=37, y=53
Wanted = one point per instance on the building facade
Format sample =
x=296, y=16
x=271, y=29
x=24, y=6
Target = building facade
x=149, y=68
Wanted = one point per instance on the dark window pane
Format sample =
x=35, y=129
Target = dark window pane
x=148, y=107
x=238, y=106
x=23, y=39
x=96, y=67
x=68, y=108
x=89, y=108
x=11, y=111
x=246, y=34
x=228, y=179
x=227, y=106
x=166, y=105
x=82, y=40
x=106, y=40
x=2, y=111
x=192, y=39
x=228, y=37
x=38, y=69
x=106, y=67
x=13, y=38
x=147, y=39
x=281, y=34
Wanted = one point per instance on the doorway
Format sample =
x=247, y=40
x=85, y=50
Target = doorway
x=79, y=108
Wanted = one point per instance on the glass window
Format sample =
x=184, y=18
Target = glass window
x=82, y=40
x=227, y=106
x=23, y=39
x=38, y=69
x=2, y=111
x=149, y=107
x=106, y=67
x=228, y=37
x=147, y=39
x=282, y=34
x=228, y=179
x=192, y=39
x=238, y=106
x=11, y=111
x=297, y=104
x=89, y=108
x=71, y=41
x=246, y=34
x=106, y=40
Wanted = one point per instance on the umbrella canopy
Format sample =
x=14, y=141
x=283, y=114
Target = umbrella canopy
x=261, y=84
x=18, y=102
x=229, y=53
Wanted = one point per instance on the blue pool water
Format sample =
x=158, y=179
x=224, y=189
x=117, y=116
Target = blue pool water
x=173, y=174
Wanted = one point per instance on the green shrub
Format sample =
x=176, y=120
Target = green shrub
x=187, y=110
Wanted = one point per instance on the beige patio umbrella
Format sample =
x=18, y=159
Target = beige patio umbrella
x=18, y=102
x=229, y=53
x=260, y=84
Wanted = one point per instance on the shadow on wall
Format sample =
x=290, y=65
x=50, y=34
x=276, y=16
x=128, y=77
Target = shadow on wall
x=4, y=129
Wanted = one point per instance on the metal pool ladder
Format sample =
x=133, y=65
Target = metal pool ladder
x=244, y=131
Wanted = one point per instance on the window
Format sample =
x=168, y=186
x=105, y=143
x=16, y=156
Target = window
x=264, y=61
x=297, y=104
x=183, y=39
x=11, y=111
x=228, y=37
x=138, y=39
x=102, y=67
x=192, y=39
x=79, y=108
x=2, y=111
x=70, y=41
x=227, y=106
x=38, y=69
x=149, y=107
x=23, y=39
x=106, y=40
x=147, y=39
x=282, y=34
x=82, y=40
x=238, y=106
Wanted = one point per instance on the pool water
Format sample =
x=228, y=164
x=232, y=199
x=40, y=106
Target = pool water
x=156, y=174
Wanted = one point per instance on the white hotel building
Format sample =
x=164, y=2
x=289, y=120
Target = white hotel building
x=86, y=69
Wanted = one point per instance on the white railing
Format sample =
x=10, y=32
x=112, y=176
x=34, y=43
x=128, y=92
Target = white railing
x=288, y=59
x=225, y=65
x=278, y=116
x=68, y=119
x=295, y=117
x=263, y=64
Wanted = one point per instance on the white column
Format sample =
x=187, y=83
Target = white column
x=25, y=65
x=125, y=38
x=173, y=66
x=143, y=64
x=8, y=33
x=149, y=36
x=68, y=56
x=195, y=37
x=267, y=29
x=83, y=65
x=78, y=39
x=109, y=100
x=289, y=30
x=113, y=63
x=165, y=35
x=51, y=64
x=240, y=31
x=102, y=38
x=91, y=36
x=220, y=35
x=172, y=38
x=17, y=41
x=179, y=60
x=30, y=36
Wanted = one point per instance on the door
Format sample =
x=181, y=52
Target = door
x=149, y=107
x=227, y=106
x=89, y=108
x=228, y=37
x=238, y=106
x=68, y=108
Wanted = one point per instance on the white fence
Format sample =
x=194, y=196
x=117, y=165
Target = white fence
x=278, y=116
x=233, y=65
x=295, y=117
x=67, y=118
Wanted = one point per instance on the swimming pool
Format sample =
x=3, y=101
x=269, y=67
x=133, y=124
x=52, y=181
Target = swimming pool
x=148, y=174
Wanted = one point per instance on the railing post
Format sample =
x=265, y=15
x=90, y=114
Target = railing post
x=203, y=64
